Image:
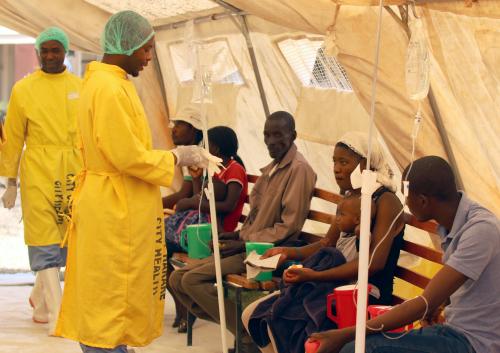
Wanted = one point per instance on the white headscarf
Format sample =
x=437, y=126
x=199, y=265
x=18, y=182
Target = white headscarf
x=358, y=142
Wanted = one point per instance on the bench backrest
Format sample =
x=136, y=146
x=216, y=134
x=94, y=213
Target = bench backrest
x=405, y=274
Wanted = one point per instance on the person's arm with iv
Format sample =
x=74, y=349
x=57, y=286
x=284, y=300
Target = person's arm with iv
x=15, y=129
x=388, y=210
x=226, y=195
x=186, y=190
x=440, y=288
x=225, y=201
x=197, y=175
x=189, y=188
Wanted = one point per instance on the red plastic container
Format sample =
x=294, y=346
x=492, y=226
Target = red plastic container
x=376, y=310
x=345, y=305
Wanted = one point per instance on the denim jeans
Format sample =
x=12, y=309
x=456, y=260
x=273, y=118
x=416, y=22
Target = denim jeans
x=434, y=339
x=88, y=349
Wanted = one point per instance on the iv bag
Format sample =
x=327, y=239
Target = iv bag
x=202, y=90
x=200, y=60
x=417, y=63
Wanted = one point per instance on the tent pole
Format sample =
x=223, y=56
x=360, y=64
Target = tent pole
x=256, y=71
x=251, y=52
x=214, y=17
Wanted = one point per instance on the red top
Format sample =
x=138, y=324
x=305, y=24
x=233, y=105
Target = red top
x=234, y=173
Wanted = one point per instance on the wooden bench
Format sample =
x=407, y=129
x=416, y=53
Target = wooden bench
x=239, y=284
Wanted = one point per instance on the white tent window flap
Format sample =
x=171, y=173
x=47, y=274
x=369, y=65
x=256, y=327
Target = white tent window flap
x=313, y=68
x=214, y=54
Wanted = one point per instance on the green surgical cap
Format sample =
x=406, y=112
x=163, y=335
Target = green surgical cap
x=125, y=32
x=52, y=33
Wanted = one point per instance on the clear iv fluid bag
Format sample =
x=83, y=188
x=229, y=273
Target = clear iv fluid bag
x=202, y=90
x=417, y=63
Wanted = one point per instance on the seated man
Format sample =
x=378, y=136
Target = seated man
x=470, y=278
x=279, y=204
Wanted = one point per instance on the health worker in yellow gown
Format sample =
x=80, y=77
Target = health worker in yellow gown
x=41, y=116
x=116, y=273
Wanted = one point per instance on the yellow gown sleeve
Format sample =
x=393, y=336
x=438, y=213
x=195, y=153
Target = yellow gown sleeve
x=14, y=133
x=116, y=136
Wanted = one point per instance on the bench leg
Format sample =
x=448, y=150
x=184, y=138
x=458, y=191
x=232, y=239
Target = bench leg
x=189, y=329
x=239, y=324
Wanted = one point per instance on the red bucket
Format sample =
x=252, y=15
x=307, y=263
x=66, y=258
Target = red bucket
x=376, y=310
x=345, y=305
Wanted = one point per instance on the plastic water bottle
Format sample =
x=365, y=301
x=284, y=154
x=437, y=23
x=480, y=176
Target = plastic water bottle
x=417, y=63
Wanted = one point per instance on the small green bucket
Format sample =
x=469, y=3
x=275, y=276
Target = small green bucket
x=260, y=248
x=195, y=240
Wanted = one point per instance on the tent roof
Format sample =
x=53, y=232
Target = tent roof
x=163, y=11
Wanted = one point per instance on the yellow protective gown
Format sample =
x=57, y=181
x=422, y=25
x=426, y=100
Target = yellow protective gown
x=42, y=114
x=116, y=268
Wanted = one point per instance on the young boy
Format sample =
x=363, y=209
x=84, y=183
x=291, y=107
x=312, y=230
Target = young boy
x=470, y=278
x=348, y=219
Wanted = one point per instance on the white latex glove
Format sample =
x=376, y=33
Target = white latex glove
x=9, y=196
x=214, y=163
x=196, y=156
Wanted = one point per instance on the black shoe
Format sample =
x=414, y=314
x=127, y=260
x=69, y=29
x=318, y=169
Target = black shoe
x=246, y=348
x=183, y=324
x=176, y=322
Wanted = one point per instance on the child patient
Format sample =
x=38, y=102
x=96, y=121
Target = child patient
x=348, y=219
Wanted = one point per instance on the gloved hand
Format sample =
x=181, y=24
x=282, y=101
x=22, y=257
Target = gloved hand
x=198, y=157
x=9, y=196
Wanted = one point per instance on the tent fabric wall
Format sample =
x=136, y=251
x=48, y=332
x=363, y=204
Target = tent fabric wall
x=465, y=57
x=219, y=114
x=394, y=112
x=316, y=16
x=283, y=91
x=319, y=107
x=471, y=120
x=467, y=87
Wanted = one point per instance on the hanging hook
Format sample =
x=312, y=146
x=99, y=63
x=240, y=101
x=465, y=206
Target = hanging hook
x=413, y=9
